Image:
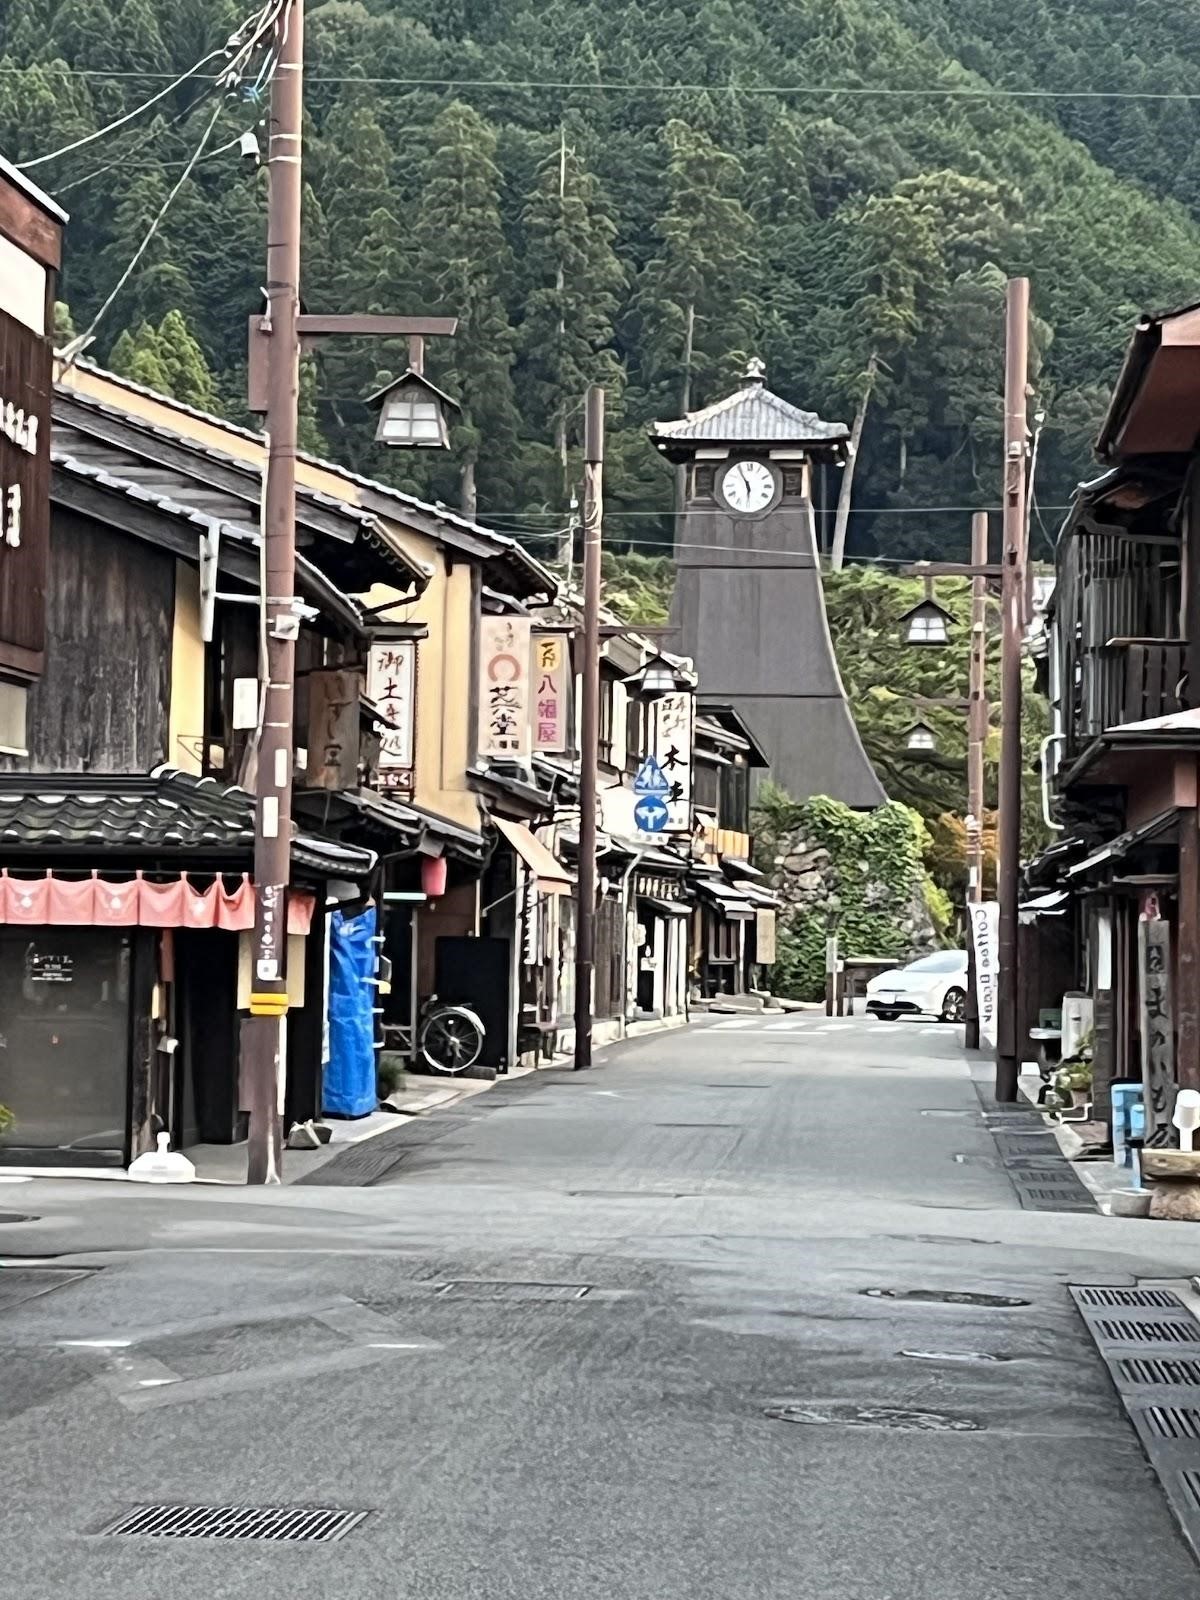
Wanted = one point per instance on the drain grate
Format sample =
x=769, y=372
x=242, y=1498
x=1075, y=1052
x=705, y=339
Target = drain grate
x=1122, y=1331
x=900, y=1418
x=1154, y=1299
x=1160, y=1370
x=495, y=1289
x=1172, y=1422
x=295, y=1525
x=1189, y=1483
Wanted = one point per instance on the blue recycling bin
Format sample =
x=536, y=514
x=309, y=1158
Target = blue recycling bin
x=1128, y=1120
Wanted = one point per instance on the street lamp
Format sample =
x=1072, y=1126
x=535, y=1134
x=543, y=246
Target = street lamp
x=927, y=623
x=413, y=413
x=656, y=679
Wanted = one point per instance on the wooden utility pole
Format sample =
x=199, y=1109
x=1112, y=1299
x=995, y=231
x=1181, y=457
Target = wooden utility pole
x=977, y=726
x=585, y=918
x=1012, y=600
x=264, y=1033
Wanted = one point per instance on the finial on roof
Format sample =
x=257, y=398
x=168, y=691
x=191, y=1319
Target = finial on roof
x=756, y=370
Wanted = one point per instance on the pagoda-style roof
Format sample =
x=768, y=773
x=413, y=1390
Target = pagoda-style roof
x=752, y=417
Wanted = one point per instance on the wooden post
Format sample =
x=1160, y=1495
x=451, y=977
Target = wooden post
x=264, y=1030
x=1008, y=1041
x=585, y=920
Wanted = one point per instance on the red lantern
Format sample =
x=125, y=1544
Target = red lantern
x=433, y=876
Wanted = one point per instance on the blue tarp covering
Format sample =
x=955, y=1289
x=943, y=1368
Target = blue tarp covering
x=350, y=1073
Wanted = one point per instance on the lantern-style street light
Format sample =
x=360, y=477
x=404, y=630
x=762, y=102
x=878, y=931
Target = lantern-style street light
x=413, y=413
x=927, y=623
x=656, y=679
x=920, y=737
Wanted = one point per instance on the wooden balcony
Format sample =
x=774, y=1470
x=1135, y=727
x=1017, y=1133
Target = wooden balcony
x=1129, y=680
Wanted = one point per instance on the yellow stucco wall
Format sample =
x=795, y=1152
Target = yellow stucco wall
x=185, y=720
x=444, y=741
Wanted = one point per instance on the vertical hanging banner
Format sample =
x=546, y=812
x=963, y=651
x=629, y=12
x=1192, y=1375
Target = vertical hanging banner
x=551, y=688
x=391, y=688
x=1157, y=1022
x=504, y=688
x=985, y=931
x=671, y=720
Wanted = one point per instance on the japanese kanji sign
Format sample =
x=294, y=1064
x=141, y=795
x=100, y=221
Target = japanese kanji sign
x=1157, y=1024
x=391, y=687
x=670, y=744
x=551, y=688
x=504, y=688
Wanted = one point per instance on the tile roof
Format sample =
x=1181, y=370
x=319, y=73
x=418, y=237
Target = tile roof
x=166, y=813
x=751, y=416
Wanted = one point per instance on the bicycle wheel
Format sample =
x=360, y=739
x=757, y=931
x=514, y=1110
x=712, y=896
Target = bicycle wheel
x=451, y=1040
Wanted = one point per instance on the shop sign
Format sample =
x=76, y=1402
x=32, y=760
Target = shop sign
x=1157, y=1022
x=391, y=687
x=551, y=691
x=670, y=745
x=504, y=688
x=25, y=386
x=985, y=931
x=764, y=937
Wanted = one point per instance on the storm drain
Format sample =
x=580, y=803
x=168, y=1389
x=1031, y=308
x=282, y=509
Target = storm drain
x=293, y=1525
x=952, y=1297
x=1152, y=1299
x=1162, y=1371
x=1122, y=1331
x=495, y=1289
x=900, y=1418
x=1159, y=1388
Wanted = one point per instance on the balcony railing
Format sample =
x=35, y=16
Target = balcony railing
x=1130, y=680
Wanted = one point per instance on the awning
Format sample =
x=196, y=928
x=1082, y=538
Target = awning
x=760, y=897
x=738, y=868
x=1124, y=843
x=733, y=903
x=1053, y=904
x=664, y=908
x=552, y=877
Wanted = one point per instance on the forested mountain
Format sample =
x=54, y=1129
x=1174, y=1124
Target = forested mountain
x=648, y=192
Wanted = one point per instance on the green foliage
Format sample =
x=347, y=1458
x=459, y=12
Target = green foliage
x=694, y=227
x=167, y=358
x=638, y=588
x=877, y=869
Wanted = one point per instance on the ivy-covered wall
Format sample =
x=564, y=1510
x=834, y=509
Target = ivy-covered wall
x=860, y=875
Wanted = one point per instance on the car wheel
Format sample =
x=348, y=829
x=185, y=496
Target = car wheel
x=954, y=1005
x=886, y=1016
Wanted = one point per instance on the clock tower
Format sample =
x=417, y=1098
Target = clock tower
x=748, y=600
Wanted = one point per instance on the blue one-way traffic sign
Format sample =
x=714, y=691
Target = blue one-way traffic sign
x=650, y=814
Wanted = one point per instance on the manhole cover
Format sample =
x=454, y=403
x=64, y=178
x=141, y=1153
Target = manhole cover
x=958, y=1356
x=901, y=1418
x=306, y=1524
x=952, y=1297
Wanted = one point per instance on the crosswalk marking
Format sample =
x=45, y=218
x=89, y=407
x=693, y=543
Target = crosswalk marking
x=789, y=1026
x=734, y=1022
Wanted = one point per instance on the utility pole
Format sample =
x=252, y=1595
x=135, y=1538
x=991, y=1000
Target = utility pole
x=1012, y=600
x=585, y=918
x=265, y=1029
x=977, y=726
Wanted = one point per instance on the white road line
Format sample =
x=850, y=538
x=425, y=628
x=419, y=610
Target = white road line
x=733, y=1022
x=782, y=1027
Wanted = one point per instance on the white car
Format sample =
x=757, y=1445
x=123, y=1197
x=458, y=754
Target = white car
x=932, y=986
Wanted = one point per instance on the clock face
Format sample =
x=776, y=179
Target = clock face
x=748, y=486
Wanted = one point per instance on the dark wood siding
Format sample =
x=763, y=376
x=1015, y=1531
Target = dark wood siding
x=101, y=704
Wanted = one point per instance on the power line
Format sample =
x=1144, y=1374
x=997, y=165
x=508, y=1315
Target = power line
x=825, y=90
x=237, y=49
x=78, y=345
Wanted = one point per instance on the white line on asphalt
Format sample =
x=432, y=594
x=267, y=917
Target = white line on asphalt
x=734, y=1022
x=782, y=1027
x=95, y=1344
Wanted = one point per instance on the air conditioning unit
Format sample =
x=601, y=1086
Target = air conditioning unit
x=1076, y=1022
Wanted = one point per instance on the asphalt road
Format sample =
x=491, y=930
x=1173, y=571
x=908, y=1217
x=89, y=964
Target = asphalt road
x=422, y=1350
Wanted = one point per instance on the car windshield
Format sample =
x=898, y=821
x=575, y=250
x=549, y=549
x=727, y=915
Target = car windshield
x=939, y=961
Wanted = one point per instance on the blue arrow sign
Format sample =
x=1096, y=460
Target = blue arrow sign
x=651, y=779
x=650, y=814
